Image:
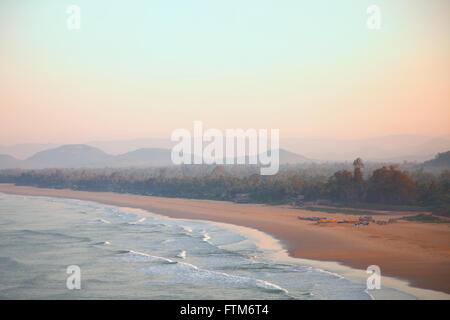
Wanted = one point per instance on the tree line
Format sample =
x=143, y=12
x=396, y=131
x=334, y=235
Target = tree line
x=382, y=187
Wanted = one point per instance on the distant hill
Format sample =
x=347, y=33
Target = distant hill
x=8, y=162
x=67, y=156
x=25, y=150
x=287, y=157
x=118, y=147
x=151, y=157
x=80, y=155
x=394, y=148
x=442, y=160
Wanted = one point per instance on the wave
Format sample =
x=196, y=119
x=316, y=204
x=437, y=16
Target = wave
x=206, y=237
x=191, y=273
x=188, y=229
x=239, y=242
x=369, y=294
x=136, y=256
x=103, y=221
x=105, y=243
x=188, y=272
x=327, y=272
x=138, y=221
x=257, y=266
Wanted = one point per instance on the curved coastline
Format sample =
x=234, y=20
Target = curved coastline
x=267, y=240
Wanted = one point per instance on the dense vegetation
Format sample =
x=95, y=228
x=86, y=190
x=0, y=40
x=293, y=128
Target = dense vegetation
x=350, y=185
x=425, y=218
x=442, y=160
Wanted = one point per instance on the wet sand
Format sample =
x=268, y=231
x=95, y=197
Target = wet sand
x=416, y=252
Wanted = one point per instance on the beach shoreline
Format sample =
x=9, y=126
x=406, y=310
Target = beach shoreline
x=411, y=252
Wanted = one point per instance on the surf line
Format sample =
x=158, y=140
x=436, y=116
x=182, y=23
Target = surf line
x=193, y=310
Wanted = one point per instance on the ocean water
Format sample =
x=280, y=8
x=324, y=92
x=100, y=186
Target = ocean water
x=125, y=255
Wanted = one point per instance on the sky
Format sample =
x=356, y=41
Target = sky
x=142, y=68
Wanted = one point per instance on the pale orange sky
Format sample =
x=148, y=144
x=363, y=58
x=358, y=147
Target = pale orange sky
x=312, y=73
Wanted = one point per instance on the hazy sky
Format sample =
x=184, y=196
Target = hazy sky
x=143, y=68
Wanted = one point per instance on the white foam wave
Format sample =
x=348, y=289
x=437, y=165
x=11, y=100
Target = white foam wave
x=188, y=229
x=103, y=221
x=369, y=294
x=188, y=272
x=105, y=243
x=138, y=221
x=206, y=237
x=327, y=272
x=136, y=256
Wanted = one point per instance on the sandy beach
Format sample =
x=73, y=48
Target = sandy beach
x=416, y=252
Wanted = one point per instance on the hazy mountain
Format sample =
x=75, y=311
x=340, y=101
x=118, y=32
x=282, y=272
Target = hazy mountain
x=157, y=152
x=118, y=147
x=25, y=150
x=8, y=162
x=72, y=155
x=388, y=148
x=287, y=157
x=441, y=161
x=151, y=157
x=79, y=155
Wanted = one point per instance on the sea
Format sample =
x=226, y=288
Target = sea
x=124, y=253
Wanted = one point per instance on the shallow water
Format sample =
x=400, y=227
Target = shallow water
x=123, y=255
